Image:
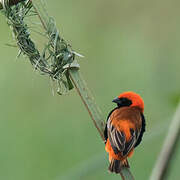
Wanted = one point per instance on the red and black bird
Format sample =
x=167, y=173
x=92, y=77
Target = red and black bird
x=124, y=129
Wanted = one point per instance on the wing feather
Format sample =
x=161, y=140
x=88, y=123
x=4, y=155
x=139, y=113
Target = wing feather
x=130, y=144
x=117, y=138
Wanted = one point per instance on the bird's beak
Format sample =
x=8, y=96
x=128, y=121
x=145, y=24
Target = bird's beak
x=117, y=100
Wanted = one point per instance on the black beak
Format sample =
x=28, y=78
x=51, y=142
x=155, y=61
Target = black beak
x=117, y=100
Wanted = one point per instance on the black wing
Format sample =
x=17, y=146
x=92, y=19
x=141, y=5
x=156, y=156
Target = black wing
x=143, y=129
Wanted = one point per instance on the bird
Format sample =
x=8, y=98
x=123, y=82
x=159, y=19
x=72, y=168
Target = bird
x=124, y=129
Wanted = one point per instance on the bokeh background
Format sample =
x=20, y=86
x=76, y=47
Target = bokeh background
x=128, y=45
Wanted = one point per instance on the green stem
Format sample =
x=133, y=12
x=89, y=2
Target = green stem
x=126, y=174
x=163, y=162
x=88, y=100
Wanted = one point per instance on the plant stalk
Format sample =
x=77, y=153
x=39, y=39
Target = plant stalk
x=163, y=162
x=88, y=100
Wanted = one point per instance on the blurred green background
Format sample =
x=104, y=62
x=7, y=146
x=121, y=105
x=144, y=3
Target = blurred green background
x=128, y=45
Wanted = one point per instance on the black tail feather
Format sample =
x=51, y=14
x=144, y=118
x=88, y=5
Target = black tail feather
x=116, y=165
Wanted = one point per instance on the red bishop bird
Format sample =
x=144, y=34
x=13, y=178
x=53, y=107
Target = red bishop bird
x=124, y=129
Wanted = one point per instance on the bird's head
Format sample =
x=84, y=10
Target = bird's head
x=129, y=99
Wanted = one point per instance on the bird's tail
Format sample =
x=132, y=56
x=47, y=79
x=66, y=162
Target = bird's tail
x=116, y=165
